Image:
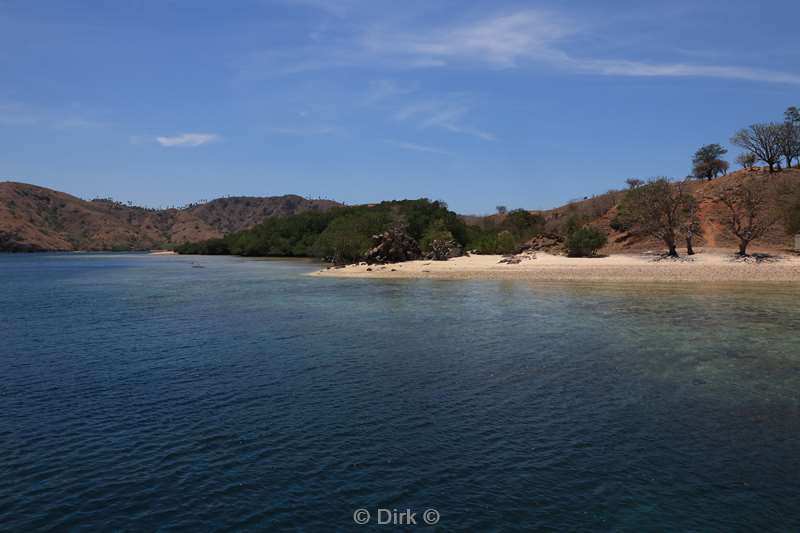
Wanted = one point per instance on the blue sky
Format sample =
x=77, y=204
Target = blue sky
x=524, y=104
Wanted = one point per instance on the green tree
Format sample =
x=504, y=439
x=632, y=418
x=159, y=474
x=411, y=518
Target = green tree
x=437, y=231
x=347, y=238
x=708, y=163
x=585, y=242
x=506, y=243
x=523, y=224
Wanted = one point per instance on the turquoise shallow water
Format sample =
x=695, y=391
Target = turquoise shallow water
x=142, y=393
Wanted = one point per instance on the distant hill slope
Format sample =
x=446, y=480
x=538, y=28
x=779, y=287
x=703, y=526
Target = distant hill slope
x=36, y=218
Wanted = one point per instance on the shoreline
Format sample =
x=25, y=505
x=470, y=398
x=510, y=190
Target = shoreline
x=704, y=267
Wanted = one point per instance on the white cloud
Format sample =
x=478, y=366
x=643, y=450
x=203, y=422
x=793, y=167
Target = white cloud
x=640, y=69
x=500, y=40
x=188, y=139
x=508, y=40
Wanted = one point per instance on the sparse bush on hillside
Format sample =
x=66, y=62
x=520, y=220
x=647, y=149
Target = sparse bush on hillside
x=585, y=242
x=616, y=224
x=573, y=223
x=523, y=224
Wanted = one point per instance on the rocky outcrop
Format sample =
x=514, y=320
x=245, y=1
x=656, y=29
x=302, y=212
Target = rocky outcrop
x=393, y=246
x=547, y=242
x=442, y=250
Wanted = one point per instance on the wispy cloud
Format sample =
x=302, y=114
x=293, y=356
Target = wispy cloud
x=506, y=40
x=446, y=116
x=500, y=40
x=188, y=139
x=416, y=147
x=640, y=69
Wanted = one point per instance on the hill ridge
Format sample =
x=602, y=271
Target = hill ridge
x=37, y=218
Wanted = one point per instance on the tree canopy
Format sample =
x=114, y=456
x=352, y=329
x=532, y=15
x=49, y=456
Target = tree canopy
x=708, y=163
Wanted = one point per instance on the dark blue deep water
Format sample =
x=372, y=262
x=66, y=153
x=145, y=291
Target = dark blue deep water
x=143, y=393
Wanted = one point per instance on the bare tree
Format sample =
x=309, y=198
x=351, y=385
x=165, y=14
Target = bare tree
x=789, y=142
x=762, y=140
x=748, y=160
x=634, y=183
x=660, y=209
x=691, y=227
x=749, y=213
x=792, y=115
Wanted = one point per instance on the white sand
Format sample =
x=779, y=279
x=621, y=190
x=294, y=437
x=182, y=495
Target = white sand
x=703, y=267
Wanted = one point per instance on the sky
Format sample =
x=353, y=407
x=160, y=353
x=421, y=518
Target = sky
x=522, y=104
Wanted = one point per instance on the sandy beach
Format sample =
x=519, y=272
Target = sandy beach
x=713, y=266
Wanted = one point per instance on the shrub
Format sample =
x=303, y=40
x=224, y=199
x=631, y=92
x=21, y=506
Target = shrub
x=437, y=231
x=506, y=243
x=617, y=224
x=585, y=242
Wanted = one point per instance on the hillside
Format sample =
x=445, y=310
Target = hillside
x=602, y=209
x=36, y=218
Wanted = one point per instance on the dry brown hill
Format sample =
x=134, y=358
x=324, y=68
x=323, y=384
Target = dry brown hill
x=37, y=218
x=601, y=210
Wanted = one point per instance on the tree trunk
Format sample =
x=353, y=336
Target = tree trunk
x=672, y=251
x=743, y=247
x=689, y=249
x=771, y=167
